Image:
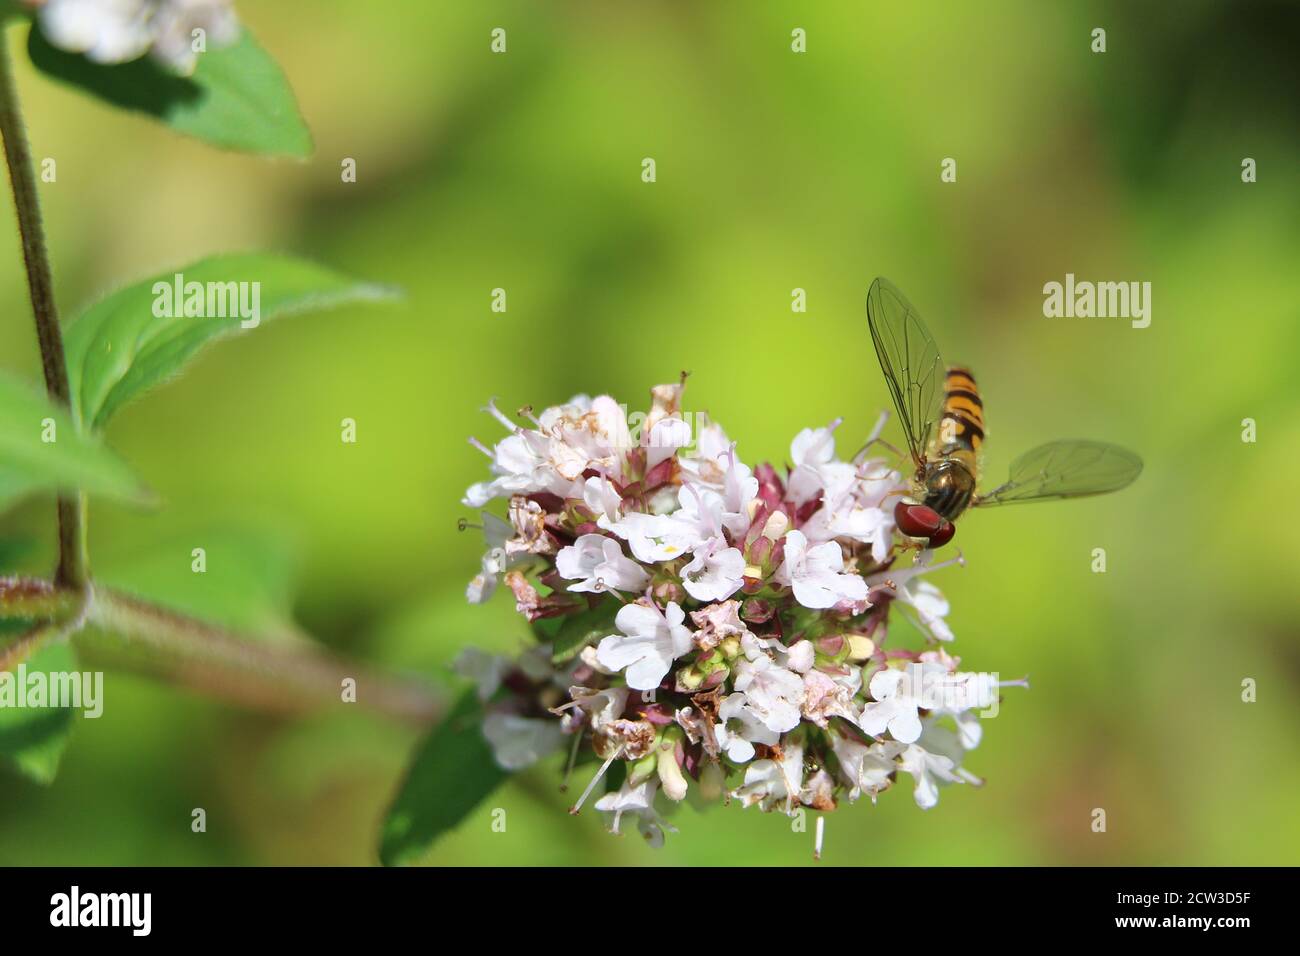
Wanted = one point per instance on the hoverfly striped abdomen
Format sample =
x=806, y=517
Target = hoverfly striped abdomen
x=950, y=480
x=961, y=429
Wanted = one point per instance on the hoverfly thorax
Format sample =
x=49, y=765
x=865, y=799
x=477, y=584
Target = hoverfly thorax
x=949, y=487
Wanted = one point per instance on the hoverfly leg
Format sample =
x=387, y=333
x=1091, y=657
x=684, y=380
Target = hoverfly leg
x=873, y=438
x=861, y=453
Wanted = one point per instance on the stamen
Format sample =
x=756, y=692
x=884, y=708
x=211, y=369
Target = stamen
x=573, y=757
x=895, y=578
x=594, y=780
x=731, y=455
x=481, y=447
x=967, y=777
x=817, y=842
x=958, y=560
x=712, y=525
x=649, y=596
x=602, y=588
x=790, y=789
x=612, y=592
x=491, y=409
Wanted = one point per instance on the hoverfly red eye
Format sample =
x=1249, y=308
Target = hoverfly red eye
x=943, y=535
x=917, y=521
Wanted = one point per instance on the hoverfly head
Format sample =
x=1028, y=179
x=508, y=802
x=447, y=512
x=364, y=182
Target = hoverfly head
x=921, y=521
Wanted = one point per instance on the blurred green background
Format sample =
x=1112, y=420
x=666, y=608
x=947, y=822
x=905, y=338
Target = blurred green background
x=775, y=171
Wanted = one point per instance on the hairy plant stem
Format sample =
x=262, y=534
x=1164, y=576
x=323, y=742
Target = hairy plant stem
x=277, y=677
x=32, y=599
x=22, y=176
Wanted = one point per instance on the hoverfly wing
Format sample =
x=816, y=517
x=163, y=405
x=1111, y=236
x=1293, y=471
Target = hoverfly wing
x=1066, y=469
x=910, y=360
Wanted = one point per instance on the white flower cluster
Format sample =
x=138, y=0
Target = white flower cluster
x=115, y=31
x=708, y=627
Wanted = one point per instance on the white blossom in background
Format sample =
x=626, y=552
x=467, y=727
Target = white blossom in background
x=520, y=742
x=484, y=669
x=174, y=24
x=710, y=627
x=117, y=31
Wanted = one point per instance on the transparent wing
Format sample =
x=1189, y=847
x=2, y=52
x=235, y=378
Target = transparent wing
x=1066, y=469
x=910, y=360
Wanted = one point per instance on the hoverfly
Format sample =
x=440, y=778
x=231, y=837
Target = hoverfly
x=925, y=392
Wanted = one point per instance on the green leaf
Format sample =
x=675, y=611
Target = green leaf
x=32, y=739
x=13, y=550
x=28, y=462
x=454, y=770
x=576, y=631
x=13, y=488
x=237, y=98
x=119, y=349
x=246, y=583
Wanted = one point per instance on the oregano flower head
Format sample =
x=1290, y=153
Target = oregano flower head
x=704, y=625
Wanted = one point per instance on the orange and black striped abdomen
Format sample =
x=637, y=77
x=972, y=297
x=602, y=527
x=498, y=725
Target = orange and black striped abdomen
x=961, y=428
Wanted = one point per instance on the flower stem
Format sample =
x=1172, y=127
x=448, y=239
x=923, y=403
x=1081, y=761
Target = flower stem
x=269, y=675
x=32, y=599
x=72, y=555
